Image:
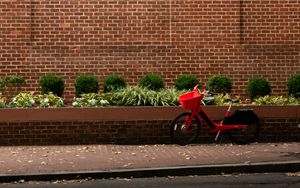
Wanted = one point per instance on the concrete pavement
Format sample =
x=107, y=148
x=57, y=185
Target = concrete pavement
x=104, y=161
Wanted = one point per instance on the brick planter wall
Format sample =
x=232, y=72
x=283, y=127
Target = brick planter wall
x=170, y=37
x=127, y=125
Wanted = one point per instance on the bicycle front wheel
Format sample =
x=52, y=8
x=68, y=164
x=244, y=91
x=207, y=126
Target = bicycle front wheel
x=180, y=134
x=245, y=135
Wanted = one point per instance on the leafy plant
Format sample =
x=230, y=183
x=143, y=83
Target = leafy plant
x=49, y=100
x=86, y=84
x=221, y=99
x=152, y=81
x=133, y=96
x=293, y=85
x=168, y=97
x=276, y=100
x=90, y=100
x=113, y=83
x=139, y=96
x=186, y=82
x=24, y=100
x=258, y=87
x=219, y=84
x=2, y=101
x=2, y=104
x=52, y=83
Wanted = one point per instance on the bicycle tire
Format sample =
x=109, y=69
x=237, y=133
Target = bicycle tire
x=247, y=135
x=181, y=136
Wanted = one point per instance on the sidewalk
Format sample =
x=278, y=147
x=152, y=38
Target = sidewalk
x=46, y=162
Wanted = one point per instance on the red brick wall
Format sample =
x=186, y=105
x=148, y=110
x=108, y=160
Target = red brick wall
x=126, y=132
x=170, y=37
x=14, y=37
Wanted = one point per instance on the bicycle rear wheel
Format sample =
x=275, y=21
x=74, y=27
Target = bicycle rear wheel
x=179, y=134
x=245, y=135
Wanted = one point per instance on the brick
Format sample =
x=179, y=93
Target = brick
x=258, y=38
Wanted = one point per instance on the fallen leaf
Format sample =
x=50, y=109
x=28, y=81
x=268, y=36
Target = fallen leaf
x=123, y=179
x=128, y=164
x=296, y=174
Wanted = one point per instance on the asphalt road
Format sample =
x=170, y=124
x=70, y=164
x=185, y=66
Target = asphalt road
x=273, y=180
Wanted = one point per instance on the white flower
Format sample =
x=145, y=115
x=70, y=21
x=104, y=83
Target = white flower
x=45, y=100
x=92, y=101
x=32, y=101
x=61, y=101
x=104, y=102
x=75, y=103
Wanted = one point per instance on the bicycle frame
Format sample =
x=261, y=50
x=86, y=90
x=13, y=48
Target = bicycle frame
x=242, y=127
x=214, y=126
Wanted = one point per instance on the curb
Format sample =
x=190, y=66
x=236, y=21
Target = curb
x=263, y=167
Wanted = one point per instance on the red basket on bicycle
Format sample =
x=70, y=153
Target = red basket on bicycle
x=190, y=100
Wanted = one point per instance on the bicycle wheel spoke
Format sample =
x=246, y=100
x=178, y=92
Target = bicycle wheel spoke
x=175, y=127
x=179, y=132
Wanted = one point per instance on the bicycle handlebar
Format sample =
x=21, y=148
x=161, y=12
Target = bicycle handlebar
x=196, y=90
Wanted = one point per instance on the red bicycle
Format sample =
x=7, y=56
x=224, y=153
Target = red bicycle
x=242, y=126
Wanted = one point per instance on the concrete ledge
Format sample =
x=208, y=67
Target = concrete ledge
x=133, y=113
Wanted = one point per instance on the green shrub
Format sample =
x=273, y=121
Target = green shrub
x=293, y=85
x=11, y=81
x=152, y=81
x=52, y=83
x=2, y=84
x=258, y=87
x=113, y=83
x=186, y=82
x=219, y=84
x=86, y=84
x=14, y=80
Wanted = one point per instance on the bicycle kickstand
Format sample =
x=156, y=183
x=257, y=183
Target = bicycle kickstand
x=228, y=113
x=217, y=136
